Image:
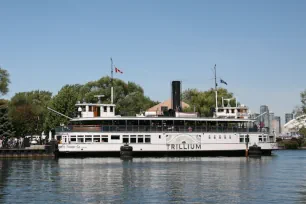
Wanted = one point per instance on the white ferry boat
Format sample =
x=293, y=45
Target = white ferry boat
x=97, y=131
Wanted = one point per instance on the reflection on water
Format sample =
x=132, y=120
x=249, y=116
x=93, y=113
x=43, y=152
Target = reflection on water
x=277, y=179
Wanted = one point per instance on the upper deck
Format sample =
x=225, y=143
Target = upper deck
x=159, y=124
x=99, y=117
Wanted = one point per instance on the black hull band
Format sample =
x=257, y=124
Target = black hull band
x=232, y=153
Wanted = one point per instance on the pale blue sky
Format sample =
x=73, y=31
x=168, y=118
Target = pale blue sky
x=259, y=46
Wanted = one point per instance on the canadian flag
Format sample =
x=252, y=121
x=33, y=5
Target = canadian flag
x=118, y=70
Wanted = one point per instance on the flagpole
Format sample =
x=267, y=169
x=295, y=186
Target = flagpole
x=216, y=86
x=112, y=88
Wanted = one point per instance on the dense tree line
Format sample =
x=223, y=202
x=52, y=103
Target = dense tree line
x=204, y=102
x=300, y=110
x=6, y=127
x=27, y=114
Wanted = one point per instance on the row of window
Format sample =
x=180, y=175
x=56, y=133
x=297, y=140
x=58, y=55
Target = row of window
x=261, y=138
x=97, y=108
x=105, y=138
x=229, y=137
x=136, y=139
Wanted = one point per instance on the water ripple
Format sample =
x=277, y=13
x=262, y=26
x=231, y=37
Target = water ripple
x=277, y=179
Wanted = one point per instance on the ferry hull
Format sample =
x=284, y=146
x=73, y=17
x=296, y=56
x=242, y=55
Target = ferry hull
x=216, y=153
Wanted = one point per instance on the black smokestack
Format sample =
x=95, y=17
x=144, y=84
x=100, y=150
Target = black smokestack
x=176, y=96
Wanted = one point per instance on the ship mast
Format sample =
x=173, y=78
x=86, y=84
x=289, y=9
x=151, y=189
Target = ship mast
x=216, y=91
x=112, y=85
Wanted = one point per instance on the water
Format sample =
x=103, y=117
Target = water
x=277, y=179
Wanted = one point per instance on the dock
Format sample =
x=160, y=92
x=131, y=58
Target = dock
x=35, y=151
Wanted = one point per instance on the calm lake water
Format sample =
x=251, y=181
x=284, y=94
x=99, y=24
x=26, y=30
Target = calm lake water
x=277, y=179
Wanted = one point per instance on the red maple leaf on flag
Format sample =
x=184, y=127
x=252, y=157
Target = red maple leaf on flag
x=118, y=70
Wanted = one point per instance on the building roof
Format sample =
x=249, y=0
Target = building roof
x=167, y=103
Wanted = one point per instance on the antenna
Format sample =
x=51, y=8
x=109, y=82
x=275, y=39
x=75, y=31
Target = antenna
x=59, y=113
x=99, y=97
x=112, y=78
x=216, y=86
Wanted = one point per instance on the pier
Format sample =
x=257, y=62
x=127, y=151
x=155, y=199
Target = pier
x=35, y=151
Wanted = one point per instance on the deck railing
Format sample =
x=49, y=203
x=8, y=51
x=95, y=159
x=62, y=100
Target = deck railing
x=145, y=128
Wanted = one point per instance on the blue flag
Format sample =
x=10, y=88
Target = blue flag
x=221, y=81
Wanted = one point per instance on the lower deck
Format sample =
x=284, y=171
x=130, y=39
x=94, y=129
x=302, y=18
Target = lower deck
x=163, y=144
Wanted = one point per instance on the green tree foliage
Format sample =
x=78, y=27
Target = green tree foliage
x=6, y=127
x=303, y=100
x=28, y=111
x=4, y=81
x=128, y=97
x=64, y=102
x=204, y=101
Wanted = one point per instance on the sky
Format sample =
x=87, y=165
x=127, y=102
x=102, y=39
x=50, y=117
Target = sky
x=259, y=47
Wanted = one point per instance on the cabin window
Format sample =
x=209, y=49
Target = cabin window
x=105, y=108
x=264, y=138
x=260, y=138
x=230, y=137
x=133, y=138
x=104, y=138
x=208, y=136
x=159, y=136
x=115, y=137
x=96, y=138
x=88, y=138
x=90, y=109
x=148, y=139
x=224, y=136
x=72, y=138
x=126, y=139
x=241, y=139
x=219, y=136
x=111, y=109
x=80, y=138
x=140, y=139
x=214, y=136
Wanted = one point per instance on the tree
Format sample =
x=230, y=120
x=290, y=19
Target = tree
x=4, y=81
x=64, y=102
x=6, y=127
x=28, y=111
x=128, y=97
x=124, y=95
x=303, y=100
x=134, y=103
x=297, y=111
x=302, y=133
x=204, y=101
